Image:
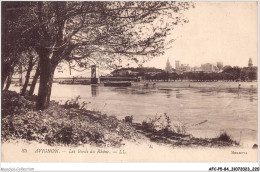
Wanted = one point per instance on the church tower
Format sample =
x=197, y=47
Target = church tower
x=168, y=67
x=250, y=64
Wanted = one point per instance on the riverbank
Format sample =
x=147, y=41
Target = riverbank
x=73, y=125
x=218, y=85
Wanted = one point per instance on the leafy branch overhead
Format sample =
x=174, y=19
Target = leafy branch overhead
x=79, y=30
x=85, y=33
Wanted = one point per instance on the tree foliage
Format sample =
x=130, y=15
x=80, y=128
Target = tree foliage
x=81, y=30
x=84, y=33
x=229, y=74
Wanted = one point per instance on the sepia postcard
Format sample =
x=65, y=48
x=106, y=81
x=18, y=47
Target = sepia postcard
x=129, y=81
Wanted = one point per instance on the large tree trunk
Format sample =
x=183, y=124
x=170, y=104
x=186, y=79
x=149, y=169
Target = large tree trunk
x=27, y=77
x=6, y=68
x=9, y=81
x=34, y=81
x=46, y=77
x=4, y=38
x=4, y=76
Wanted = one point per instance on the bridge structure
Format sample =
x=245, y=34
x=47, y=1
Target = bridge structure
x=95, y=78
x=85, y=78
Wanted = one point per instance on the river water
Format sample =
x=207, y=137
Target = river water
x=206, y=109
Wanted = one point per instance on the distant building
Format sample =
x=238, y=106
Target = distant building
x=135, y=72
x=177, y=64
x=181, y=68
x=185, y=68
x=168, y=67
x=207, y=67
x=196, y=69
x=123, y=72
x=220, y=65
x=215, y=69
x=250, y=64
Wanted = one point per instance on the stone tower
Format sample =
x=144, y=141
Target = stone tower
x=177, y=64
x=94, y=79
x=250, y=64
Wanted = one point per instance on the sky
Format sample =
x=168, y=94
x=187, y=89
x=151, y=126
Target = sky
x=217, y=31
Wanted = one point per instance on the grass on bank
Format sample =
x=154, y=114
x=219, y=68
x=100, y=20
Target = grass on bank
x=60, y=124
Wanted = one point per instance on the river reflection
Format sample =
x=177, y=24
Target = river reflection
x=94, y=90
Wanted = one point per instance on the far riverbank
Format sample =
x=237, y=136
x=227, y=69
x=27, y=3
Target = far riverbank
x=193, y=84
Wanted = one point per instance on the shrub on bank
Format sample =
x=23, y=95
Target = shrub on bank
x=73, y=103
x=162, y=130
x=162, y=124
x=225, y=137
x=13, y=103
x=129, y=119
x=57, y=125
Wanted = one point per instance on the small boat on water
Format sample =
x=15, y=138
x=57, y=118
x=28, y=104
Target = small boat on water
x=117, y=84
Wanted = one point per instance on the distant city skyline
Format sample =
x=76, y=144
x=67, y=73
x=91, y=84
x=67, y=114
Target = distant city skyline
x=217, y=31
x=172, y=62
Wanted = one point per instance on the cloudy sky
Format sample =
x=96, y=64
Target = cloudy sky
x=217, y=31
